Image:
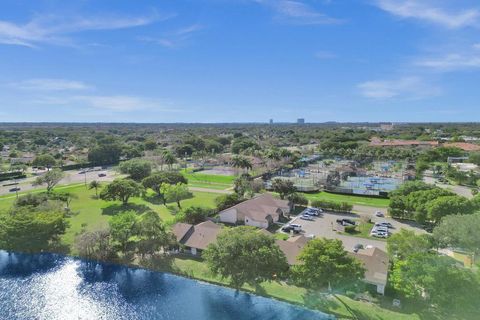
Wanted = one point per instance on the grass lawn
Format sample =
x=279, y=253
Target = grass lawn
x=340, y=306
x=95, y=213
x=198, y=177
x=354, y=200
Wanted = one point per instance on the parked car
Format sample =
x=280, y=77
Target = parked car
x=380, y=228
x=357, y=247
x=14, y=189
x=379, y=234
x=102, y=174
x=292, y=227
x=379, y=214
x=307, y=217
x=311, y=212
x=384, y=224
x=345, y=222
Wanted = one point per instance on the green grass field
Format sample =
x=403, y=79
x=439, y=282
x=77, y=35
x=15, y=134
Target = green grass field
x=354, y=200
x=211, y=181
x=95, y=213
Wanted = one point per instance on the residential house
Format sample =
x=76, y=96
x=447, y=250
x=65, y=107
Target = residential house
x=292, y=247
x=196, y=238
x=375, y=262
x=260, y=211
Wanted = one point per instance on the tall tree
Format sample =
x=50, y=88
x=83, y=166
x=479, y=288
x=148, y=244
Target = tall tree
x=28, y=229
x=151, y=233
x=121, y=189
x=245, y=255
x=175, y=192
x=122, y=230
x=50, y=179
x=194, y=215
x=459, y=231
x=137, y=169
x=283, y=187
x=324, y=262
x=438, y=280
x=156, y=180
x=95, y=185
x=44, y=160
x=405, y=243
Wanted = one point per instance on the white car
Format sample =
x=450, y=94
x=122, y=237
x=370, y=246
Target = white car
x=307, y=217
x=379, y=214
x=379, y=234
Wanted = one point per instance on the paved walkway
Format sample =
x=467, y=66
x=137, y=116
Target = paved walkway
x=219, y=191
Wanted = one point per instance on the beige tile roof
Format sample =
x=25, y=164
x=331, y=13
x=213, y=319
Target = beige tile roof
x=180, y=230
x=259, y=207
x=203, y=234
x=292, y=247
x=375, y=262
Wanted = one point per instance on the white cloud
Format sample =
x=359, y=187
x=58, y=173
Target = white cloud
x=174, y=38
x=408, y=87
x=50, y=85
x=428, y=11
x=121, y=103
x=111, y=103
x=461, y=59
x=451, y=62
x=325, y=55
x=55, y=29
x=296, y=11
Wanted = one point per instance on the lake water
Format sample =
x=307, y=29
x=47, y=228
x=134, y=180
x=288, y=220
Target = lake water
x=47, y=286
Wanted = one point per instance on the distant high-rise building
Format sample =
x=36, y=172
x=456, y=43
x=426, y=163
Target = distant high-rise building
x=271, y=121
x=300, y=121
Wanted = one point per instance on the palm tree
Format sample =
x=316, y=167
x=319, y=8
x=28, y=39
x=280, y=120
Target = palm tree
x=95, y=185
x=272, y=156
x=241, y=162
x=169, y=159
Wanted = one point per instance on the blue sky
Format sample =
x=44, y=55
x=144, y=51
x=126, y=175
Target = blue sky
x=239, y=60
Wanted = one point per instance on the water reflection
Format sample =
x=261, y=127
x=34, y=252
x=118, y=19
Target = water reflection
x=53, y=287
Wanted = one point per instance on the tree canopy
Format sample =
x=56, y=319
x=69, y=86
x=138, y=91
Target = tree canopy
x=121, y=189
x=50, y=179
x=245, y=255
x=137, y=169
x=460, y=231
x=31, y=229
x=323, y=262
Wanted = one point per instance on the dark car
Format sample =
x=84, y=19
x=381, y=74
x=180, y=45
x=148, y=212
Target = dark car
x=14, y=189
x=357, y=247
x=102, y=175
x=345, y=222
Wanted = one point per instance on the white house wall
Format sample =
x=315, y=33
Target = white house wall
x=228, y=216
x=253, y=223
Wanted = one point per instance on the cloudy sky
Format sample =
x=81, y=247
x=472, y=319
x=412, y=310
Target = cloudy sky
x=239, y=60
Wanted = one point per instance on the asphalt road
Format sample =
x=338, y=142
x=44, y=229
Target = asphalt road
x=460, y=190
x=71, y=177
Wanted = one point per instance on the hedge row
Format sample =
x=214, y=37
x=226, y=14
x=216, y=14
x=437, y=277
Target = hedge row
x=332, y=206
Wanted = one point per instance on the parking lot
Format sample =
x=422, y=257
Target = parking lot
x=324, y=227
